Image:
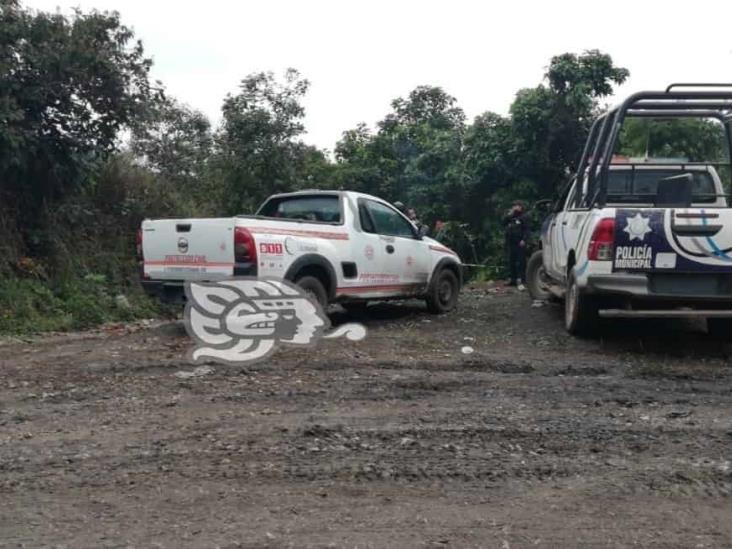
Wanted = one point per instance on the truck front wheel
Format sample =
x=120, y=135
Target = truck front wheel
x=580, y=310
x=536, y=278
x=442, y=295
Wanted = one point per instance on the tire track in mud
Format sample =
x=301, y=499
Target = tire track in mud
x=529, y=415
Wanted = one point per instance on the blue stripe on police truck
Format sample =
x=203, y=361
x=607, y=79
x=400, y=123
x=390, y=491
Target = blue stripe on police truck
x=717, y=250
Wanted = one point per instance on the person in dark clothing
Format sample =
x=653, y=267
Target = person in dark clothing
x=516, y=227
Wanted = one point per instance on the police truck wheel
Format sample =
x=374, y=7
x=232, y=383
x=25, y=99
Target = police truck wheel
x=443, y=292
x=537, y=279
x=580, y=310
x=314, y=288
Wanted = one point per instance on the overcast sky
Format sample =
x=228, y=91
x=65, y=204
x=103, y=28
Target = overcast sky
x=359, y=56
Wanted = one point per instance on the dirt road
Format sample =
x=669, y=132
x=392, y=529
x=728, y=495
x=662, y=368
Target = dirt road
x=533, y=440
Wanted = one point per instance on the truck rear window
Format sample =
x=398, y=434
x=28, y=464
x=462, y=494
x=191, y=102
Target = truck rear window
x=641, y=185
x=321, y=208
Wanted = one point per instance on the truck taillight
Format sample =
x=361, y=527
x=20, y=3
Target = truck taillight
x=602, y=241
x=245, y=250
x=138, y=244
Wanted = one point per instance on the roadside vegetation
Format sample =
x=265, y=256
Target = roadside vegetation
x=89, y=146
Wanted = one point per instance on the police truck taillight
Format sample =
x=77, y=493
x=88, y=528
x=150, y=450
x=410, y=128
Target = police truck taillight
x=602, y=242
x=245, y=250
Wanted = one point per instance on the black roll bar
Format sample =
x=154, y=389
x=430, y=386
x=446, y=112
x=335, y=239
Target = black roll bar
x=684, y=105
x=678, y=114
x=604, y=133
x=599, y=152
x=591, y=138
x=696, y=85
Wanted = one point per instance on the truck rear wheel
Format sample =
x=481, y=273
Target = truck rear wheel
x=314, y=288
x=536, y=277
x=442, y=296
x=580, y=310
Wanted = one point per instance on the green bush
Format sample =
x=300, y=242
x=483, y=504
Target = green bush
x=88, y=258
x=31, y=306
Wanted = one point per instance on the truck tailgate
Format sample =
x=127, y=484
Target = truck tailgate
x=188, y=249
x=693, y=240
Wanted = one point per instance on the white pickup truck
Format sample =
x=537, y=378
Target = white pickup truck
x=643, y=238
x=340, y=246
x=634, y=257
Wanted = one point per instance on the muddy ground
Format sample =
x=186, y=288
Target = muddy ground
x=533, y=440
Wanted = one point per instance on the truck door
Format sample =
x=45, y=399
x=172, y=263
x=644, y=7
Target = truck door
x=406, y=257
x=557, y=232
x=568, y=231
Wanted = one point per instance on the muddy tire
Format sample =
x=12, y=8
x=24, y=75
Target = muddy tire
x=580, y=310
x=443, y=292
x=314, y=287
x=720, y=328
x=536, y=278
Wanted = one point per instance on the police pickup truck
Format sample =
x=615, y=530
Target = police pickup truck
x=339, y=246
x=641, y=239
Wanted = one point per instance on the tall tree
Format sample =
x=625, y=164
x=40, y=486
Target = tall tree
x=414, y=156
x=175, y=141
x=489, y=163
x=68, y=85
x=259, y=149
x=552, y=121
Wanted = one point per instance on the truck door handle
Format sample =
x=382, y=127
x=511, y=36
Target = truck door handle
x=564, y=222
x=389, y=249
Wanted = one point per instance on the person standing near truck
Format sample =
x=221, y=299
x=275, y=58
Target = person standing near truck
x=516, y=228
x=411, y=213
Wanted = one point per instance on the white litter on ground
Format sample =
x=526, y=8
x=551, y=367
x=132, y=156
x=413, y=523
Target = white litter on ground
x=197, y=372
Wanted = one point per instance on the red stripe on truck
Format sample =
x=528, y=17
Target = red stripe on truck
x=442, y=249
x=379, y=288
x=296, y=232
x=188, y=264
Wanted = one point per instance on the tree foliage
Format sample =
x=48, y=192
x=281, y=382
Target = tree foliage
x=259, y=150
x=68, y=85
x=552, y=121
x=692, y=139
x=414, y=156
x=423, y=152
x=175, y=141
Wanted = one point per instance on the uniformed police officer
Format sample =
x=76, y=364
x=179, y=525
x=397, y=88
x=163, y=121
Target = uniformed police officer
x=517, y=233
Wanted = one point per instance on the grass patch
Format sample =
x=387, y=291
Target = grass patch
x=31, y=306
